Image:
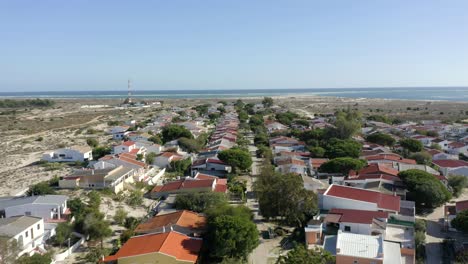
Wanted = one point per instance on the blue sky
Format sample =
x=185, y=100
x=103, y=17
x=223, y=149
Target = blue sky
x=213, y=44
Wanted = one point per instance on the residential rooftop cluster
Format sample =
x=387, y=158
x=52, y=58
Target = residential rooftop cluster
x=355, y=188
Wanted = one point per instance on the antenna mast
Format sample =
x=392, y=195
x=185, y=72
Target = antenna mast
x=129, y=91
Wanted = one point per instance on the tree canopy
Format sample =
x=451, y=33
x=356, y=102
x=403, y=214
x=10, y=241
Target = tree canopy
x=295, y=205
x=337, y=148
x=381, y=139
x=457, y=183
x=342, y=165
x=171, y=132
x=411, y=144
x=237, y=158
x=301, y=255
x=199, y=202
x=267, y=102
x=231, y=232
x=424, y=189
x=460, y=222
x=347, y=124
x=41, y=188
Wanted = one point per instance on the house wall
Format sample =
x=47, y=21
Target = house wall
x=356, y=228
x=39, y=210
x=33, y=239
x=330, y=202
x=69, y=155
x=459, y=171
x=340, y=259
x=311, y=237
x=161, y=162
x=69, y=184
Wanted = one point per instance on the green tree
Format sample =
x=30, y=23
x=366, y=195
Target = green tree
x=180, y=166
x=267, y=102
x=294, y=206
x=101, y=151
x=342, y=165
x=149, y=159
x=63, y=232
x=264, y=152
x=95, y=254
x=35, y=259
x=347, y=124
x=156, y=139
x=261, y=139
x=424, y=189
x=337, y=148
x=41, y=188
x=286, y=118
x=231, y=233
x=457, y=183
x=92, y=142
x=171, y=132
x=9, y=250
x=120, y=216
x=199, y=202
x=422, y=157
x=96, y=227
x=412, y=145
x=316, y=152
x=381, y=139
x=94, y=199
x=256, y=120
x=135, y=198
x=301, y=255
x=236, y=158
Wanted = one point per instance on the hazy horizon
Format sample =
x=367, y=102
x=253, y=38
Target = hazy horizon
x=167, y=45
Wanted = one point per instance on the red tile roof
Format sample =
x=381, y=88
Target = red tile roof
x=183, y=184
x=290, y=161
x=357, y=216
x=383, y=201
x=179, y=246
x=377, y=168
x=183, y=218
x=128, y=143
x=456, y=145
x=391, y=157
x=217, y=161
x=450, y=163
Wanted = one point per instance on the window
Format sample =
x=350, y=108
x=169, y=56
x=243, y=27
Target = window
x=28, y=213
x=26, y=234
x=347, y=229
x=38, y=226
x=355, y=262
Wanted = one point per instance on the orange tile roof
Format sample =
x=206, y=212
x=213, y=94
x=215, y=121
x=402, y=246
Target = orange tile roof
x=179, y=246
x=290, y=161
x=128, y=143
x=377, y=168
x=183, y=218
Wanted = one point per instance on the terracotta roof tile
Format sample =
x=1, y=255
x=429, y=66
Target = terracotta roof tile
x=450, y=163
x=384, y=201
x=183, y=218
x=179, y=246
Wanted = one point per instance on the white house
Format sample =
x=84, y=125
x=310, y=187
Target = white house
x=457, y=148
x=51, y=208
x=28, y=231
x=119, y=132
x=452, y=167
x=344, y=197
x=71, y=154
x=166, y=158
x=275, y=126
x=292, y=165
x=127, y=147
